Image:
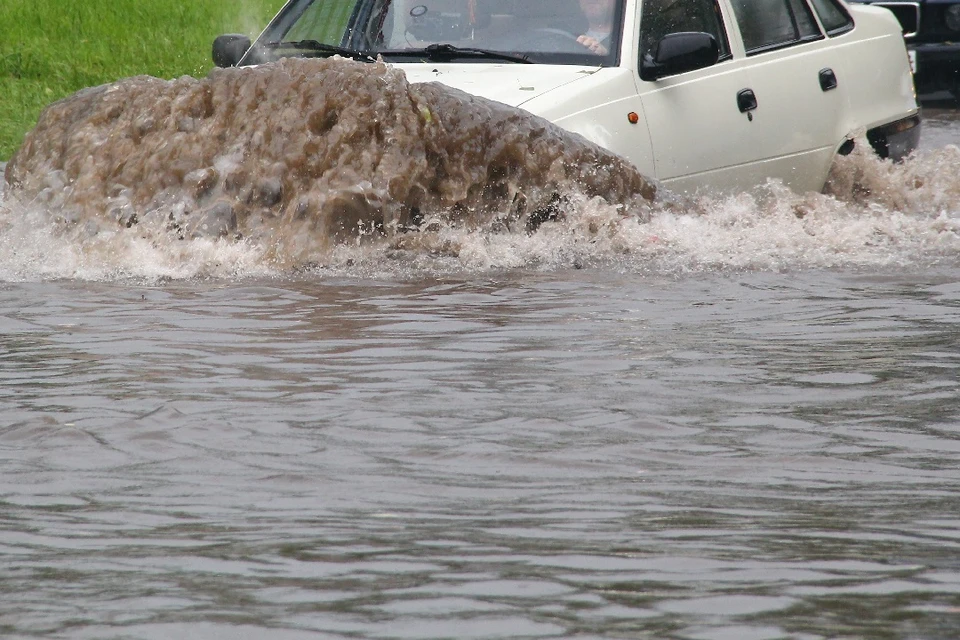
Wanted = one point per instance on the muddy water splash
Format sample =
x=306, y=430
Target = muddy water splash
x=300, y=155
x=143, y=185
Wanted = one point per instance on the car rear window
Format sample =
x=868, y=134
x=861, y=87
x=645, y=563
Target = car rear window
x=833, y=16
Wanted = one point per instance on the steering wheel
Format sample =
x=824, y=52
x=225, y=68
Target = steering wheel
x=551, y=34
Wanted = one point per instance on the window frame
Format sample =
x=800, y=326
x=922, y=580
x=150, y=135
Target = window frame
x=722, y=8
x=848, y=26
x=777, y=46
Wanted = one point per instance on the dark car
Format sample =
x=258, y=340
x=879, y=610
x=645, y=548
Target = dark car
x=932, y=31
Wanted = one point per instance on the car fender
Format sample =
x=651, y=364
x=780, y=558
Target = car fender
x=603, y=107
x=876, y=71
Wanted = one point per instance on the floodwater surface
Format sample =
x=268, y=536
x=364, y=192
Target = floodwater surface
x=735, y=421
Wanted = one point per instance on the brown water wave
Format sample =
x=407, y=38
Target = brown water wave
x=301, y=154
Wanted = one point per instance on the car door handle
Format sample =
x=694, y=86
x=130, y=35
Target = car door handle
x=828, y=79
x=746, y=100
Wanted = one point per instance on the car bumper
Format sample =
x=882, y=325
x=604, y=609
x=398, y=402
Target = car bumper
x=896, y=140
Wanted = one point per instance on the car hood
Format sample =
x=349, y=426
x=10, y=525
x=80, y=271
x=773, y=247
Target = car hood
x=511, y=84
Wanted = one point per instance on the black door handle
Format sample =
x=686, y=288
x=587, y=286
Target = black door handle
x=746, y=100
x=828, y=79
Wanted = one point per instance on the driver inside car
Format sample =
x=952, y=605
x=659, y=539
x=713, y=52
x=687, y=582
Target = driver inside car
x=600, y=15
x=588, y=23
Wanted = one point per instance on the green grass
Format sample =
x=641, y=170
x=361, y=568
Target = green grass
x=51, y=48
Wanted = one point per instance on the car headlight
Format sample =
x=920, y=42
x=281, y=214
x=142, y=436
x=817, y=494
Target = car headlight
x=952, y=17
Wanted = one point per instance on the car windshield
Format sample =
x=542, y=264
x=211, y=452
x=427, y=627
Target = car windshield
x=580, y=32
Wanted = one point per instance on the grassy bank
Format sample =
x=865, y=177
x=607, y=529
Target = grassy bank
x=52, y=48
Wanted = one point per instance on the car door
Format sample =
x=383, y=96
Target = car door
x=797, y=88
x=699, y=135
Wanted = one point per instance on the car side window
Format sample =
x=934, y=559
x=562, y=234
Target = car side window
x=771, y=24
x=833, y=16
x=662, y=17
x=322, y=21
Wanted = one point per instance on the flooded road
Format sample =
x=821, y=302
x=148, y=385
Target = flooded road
x=941, y=125
x=742, y=424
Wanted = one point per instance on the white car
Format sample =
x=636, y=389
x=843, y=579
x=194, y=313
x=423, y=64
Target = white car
x=724, y=94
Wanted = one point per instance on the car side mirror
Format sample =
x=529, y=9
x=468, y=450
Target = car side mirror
x=678, y=53
x=229, y=49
